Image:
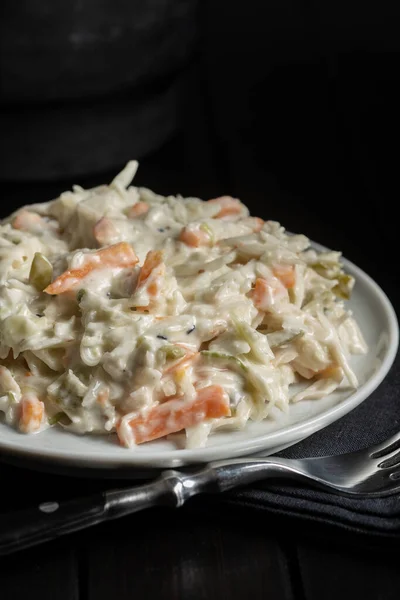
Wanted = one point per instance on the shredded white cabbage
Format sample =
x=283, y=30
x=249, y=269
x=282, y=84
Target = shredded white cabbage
x=122, y=310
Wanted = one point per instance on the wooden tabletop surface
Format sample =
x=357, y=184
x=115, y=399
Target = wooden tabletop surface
x=176, y=555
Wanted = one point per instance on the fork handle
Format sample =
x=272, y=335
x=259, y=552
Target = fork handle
x=24, y=528
x=49, y=520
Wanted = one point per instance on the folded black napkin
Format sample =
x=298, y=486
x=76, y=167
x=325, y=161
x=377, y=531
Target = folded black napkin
x=373, y=421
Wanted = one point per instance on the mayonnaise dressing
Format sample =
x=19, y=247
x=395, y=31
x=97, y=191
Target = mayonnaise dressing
x=159, y=298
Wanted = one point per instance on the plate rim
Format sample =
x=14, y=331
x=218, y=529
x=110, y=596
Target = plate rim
x=287, y=436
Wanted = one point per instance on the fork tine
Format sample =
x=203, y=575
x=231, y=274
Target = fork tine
x=388, y=446
x=391, y=460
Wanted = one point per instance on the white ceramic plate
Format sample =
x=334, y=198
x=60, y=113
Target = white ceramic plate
x=59, y=449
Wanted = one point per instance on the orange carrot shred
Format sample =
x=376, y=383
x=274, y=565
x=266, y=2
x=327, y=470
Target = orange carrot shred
x=117, y=255
x=138, y=209
x=153, y=264
x=175, y=414
x=228, y=206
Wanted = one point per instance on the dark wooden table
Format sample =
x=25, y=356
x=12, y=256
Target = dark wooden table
x=181, y=555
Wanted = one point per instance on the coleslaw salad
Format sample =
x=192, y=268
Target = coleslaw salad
x=125, y=311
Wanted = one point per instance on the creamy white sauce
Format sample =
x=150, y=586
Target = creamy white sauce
x=109, y=349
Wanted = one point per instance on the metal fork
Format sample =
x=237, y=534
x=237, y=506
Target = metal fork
x=374, y=471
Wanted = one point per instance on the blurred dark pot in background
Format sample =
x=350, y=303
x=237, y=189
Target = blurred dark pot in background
x=88, y=85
